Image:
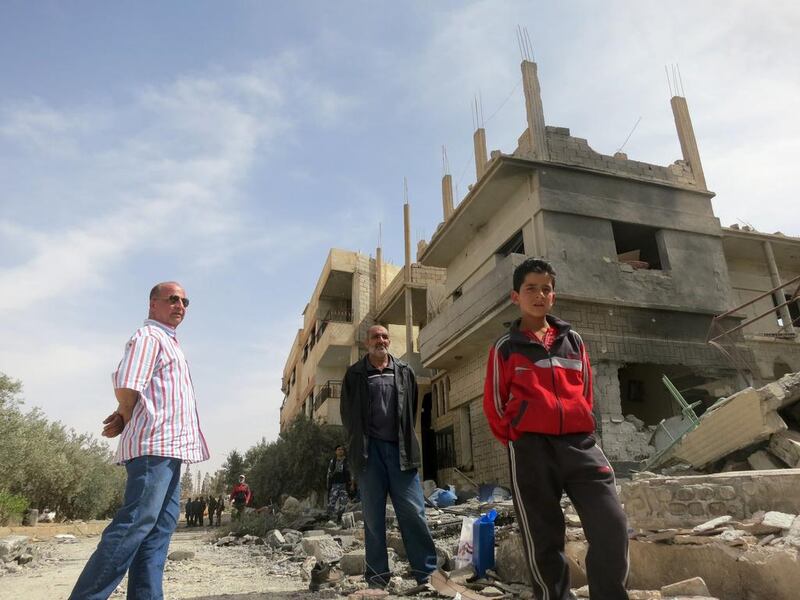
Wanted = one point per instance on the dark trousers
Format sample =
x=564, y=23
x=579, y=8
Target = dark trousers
x=382, y=476
x=542, y=468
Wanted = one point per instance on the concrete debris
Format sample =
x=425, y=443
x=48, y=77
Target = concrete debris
x=778, y=519
x=746, y=419
x=323, y=547
x=739, y=532
x=16, y=551
x=688, y=587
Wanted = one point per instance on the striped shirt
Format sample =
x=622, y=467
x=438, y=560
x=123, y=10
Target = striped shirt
x=164, y=420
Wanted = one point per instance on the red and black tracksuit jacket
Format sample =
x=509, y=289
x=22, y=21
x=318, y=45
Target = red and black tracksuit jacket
x=532, y=389
x=538, y=402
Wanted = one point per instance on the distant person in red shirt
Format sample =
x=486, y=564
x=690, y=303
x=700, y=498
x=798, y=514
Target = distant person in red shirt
x=240, y=496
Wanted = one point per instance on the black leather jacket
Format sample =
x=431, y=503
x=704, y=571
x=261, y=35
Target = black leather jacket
x=354, y=407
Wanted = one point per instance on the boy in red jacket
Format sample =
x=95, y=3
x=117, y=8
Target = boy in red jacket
x=538, y=401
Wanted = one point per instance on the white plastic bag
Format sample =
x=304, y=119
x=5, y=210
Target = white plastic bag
x=464, y=555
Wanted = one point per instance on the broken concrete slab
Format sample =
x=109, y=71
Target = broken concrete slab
x=761, y=460
x=783, y=392
x=324, y=548
x=786, y=446
x=732, y=573
x=275, y=538
x=712, y=524
x=676, y=502
x=778, y=519
x=688, y=587
x=353, y=563
x=739, y=421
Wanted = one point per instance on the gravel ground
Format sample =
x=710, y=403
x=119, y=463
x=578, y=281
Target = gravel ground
x=230, y=572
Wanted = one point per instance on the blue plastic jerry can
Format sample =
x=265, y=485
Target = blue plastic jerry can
x=483, y=543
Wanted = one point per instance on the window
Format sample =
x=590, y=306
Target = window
x=637, y=245
x=516, y=245
x=445, y=449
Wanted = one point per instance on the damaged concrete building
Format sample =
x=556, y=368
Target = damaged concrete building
x=645, y=273
x=641, y=272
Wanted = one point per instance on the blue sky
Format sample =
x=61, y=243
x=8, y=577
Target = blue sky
x=230, y=145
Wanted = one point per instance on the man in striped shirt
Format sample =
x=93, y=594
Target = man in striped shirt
x=159, y=427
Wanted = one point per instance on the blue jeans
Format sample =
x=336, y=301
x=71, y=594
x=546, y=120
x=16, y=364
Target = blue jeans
x=380, y=476
x=137, y=539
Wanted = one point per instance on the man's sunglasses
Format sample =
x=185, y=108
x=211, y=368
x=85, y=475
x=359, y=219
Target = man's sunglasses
x=174, y=299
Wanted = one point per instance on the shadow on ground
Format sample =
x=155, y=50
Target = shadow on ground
x=259, y=596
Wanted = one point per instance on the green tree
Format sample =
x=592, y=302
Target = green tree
x=187, y=483
x=296, y=463
x=233, y=467
x=52, y=467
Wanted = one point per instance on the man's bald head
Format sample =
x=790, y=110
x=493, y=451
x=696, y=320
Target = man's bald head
x=159, y=288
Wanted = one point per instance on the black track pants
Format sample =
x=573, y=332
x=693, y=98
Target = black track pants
x=544, y=466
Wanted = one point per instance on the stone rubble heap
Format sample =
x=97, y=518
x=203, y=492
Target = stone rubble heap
x=331, y=557
x=754, y=429
x=20, y=551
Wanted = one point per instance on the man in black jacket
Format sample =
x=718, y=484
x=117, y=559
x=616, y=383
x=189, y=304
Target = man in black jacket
x=379, y=409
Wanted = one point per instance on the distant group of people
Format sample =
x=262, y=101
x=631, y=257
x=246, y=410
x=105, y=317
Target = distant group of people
x=195, y=510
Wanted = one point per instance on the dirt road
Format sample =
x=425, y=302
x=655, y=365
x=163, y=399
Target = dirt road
x=230, y=572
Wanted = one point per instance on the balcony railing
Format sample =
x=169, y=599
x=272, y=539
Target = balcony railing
x=331, y=389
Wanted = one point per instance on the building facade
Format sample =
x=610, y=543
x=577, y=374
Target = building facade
x=642, y=271
x=331, y=338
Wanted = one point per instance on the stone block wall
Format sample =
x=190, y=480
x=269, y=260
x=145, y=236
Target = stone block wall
x=565, y=149
x=665, y=502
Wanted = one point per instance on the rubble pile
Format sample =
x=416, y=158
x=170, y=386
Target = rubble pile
x=740, y=531
x=754, y=429
x=330, y=556
x=18, y=552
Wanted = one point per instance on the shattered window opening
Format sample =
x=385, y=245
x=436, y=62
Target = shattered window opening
x=637, y=245
x=516, y=245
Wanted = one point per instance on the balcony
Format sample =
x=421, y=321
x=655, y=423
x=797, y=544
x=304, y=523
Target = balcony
x=330, y=389
x=391, y=304
x=326, y=403
x=470, y=323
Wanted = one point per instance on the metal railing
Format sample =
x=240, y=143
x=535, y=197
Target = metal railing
x=717, y=332
x=331, y=389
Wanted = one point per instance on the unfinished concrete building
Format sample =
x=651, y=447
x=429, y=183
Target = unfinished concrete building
x=641, y=272
x=333, y=322
x=759, y=263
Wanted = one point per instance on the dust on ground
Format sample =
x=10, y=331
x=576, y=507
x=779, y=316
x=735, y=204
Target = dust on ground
x=215, y=572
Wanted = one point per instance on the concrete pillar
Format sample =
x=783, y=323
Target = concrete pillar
x=378, y=273
x=407, y=277
x=775, y=277
x=479, y=143
x=447, y=196
x=534, y=110
x=407, y=235
x=683, y=123
x=409, y=321
x=607, y=396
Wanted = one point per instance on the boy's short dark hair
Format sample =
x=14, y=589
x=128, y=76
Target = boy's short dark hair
x=533, y=265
